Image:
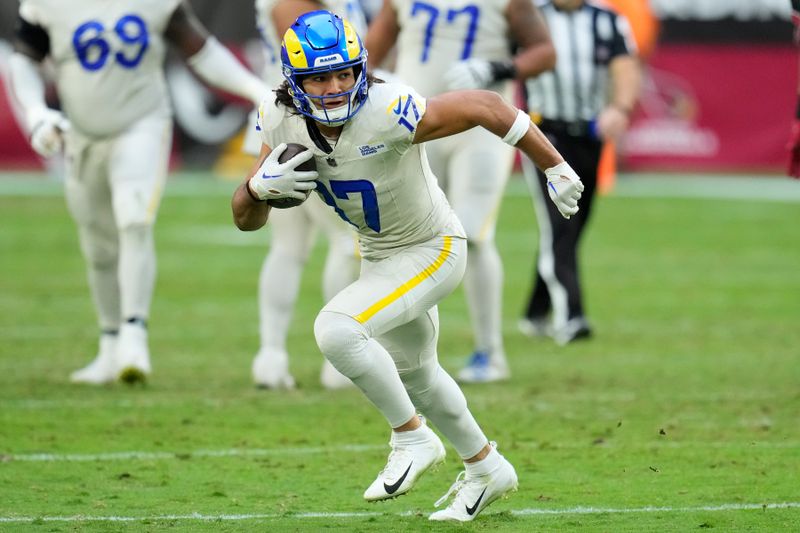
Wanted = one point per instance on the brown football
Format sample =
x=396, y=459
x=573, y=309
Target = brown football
x=292, y=149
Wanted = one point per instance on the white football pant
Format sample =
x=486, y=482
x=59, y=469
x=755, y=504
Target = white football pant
x=381, y=332
x=113, y=190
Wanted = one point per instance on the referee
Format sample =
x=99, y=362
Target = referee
x=585, y=100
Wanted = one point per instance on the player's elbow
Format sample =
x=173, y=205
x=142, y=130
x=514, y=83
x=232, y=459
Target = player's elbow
x=486, y=109
x=248, y=223
x=248, y=219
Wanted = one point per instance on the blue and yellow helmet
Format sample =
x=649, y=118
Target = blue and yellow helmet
x=317, y=42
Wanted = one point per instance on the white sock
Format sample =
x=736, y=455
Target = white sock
x=486, y=465
x=415, y=436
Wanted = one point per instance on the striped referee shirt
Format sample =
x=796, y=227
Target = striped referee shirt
x=586, y=40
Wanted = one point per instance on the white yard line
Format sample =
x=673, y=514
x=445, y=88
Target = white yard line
x=312, y=515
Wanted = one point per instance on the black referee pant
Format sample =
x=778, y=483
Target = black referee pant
x=556, y=285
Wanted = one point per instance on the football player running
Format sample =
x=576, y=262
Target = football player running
x=381, y=331
x=116, y=132
x=445, y=45
x=294, y=230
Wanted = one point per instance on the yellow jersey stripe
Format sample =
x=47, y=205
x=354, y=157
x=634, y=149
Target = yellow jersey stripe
x=297, y=57
x=408, y=285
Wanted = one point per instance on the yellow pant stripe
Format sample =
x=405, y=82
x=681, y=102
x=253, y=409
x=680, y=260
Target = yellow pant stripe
x=408, y=285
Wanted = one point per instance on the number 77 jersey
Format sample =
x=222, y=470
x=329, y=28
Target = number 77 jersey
x=435, y=34
x=108, y=57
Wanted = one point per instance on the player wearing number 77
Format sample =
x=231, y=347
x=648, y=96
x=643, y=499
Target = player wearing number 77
x=366, y=139
x=116, y=131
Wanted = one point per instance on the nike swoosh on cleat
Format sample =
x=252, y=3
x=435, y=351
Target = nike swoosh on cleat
x=391, y=489
x=471, y=510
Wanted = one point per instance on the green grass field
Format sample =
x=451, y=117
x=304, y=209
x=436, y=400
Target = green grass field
x=683, y=413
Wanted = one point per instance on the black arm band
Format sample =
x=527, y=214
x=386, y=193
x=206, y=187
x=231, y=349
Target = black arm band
x=33, y=36
x=503, y=70
x=797, y=109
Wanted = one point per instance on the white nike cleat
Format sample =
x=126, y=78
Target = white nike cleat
x=271, y=369
x=332, y=379
x=103, y=369
x=413, y=453
x=483, y=368
x=133, y=355
x=477, y=487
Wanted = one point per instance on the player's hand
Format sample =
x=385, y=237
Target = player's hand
x=612, y=123
x=281, y=180
x=794, y=150
x=470, y=74
x=47, y=133
x=564, y=187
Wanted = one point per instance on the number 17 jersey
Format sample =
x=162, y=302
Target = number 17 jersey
x=108, y=57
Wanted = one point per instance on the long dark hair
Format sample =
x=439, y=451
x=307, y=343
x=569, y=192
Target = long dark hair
x=283, y=97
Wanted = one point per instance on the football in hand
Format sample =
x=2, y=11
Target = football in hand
x=292, y=149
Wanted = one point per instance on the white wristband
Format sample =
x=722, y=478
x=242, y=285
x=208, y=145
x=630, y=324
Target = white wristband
x=518, y=129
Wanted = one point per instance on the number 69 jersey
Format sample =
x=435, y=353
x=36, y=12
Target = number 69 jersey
x=435, y=34
x=374, y=178
x=108, y=56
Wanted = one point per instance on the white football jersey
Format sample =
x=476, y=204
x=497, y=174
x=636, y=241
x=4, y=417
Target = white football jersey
x=348, y=9
x=108, y=56
x=374, y=178
x=435, y=34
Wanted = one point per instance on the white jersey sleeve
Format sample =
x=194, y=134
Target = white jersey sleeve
x=108, y=58
x=375, y=177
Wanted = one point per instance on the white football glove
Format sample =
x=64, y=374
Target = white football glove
x=565, y=188
x=473, y=73
x=47, y=129
x=281, y=180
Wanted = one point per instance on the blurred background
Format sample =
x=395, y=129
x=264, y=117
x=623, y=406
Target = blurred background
x=721, y=78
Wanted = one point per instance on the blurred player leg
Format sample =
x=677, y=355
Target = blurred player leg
x=479, y=168
x=88, y=198
x=341, y=269
x=139, y=161
x=292, y=237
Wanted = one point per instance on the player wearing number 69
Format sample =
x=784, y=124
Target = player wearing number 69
x=115, y=128
x=381, y=331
